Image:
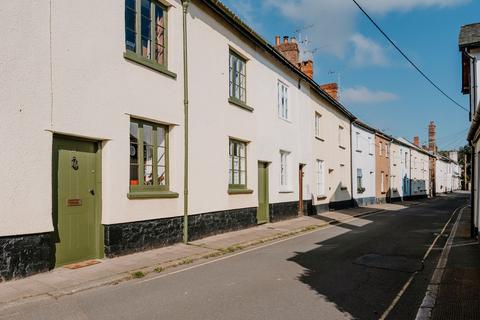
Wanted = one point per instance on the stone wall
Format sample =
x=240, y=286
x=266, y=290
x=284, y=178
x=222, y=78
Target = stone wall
x=206, y=224
x=21, y=256
x=136, y=236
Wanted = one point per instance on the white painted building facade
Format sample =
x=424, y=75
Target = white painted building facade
x=251, y=113
x=400, y=170
x=363, y=164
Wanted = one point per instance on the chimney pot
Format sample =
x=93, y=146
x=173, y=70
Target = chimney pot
x=293, y=40
x=277, y=40
x=285, y=39
x=416, y=141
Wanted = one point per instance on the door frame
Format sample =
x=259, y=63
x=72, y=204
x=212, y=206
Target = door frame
x=99, y=230
x=266, y=165
x=301, y=173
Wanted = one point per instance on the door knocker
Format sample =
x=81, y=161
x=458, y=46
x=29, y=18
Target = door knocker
x=75, y=163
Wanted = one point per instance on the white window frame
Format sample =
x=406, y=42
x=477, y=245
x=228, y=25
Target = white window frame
x=340, y=136
x=370, y=146
x=357, y=141
x=284, y=170
x=318, y=125
x=380, y=148
x=320, y=178
x=283, y=100
x=382, y=185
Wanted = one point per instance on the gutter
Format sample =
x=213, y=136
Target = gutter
x=185, y=4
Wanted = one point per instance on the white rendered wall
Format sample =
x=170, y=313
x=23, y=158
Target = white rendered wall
x=25, y=95
x=363, y=157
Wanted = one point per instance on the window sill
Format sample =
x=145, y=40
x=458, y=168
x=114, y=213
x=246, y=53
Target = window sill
x=343, y=188
x=149, y=64
x=318, y=138
x=240, y=191
x=285, y=119
x=240, y=104
x=152, y=195
x=359, y=151
x=321, y=197
x=285, y=191
x=342, y=147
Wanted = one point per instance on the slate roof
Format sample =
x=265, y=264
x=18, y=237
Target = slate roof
x=469, y=36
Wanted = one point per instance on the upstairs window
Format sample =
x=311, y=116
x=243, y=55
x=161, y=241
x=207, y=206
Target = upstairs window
x=380, y=148
x=370, y=146
x=318, y=125
x=283, y=111
x=341, y=137
x=357, y=141
x=146, y=29
x=237, y=76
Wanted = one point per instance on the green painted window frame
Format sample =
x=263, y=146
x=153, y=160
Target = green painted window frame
x=136, y=56
x=156, y=190
x=235, y=188
x=231, y=81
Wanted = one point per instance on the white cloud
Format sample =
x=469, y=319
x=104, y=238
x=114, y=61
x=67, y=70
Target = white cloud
x=334, y=20
x=367, y=52
x=362, y=94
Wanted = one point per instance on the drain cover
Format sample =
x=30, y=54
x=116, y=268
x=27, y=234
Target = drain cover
x=394, y=263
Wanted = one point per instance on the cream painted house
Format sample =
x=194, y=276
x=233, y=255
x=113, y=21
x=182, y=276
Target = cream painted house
x=186, y=112
x=363, y=164
x=400, y=170
x=419, y=170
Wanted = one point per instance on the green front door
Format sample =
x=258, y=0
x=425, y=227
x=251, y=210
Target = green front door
x=76, y=213
x=262, y=211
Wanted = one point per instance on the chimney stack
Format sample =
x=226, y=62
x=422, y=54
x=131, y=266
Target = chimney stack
x=331, y=89
x=307, y=68
x=291, y=51
x=277, y=40
x=416, y=141
x=432, y=143
x=288, y=49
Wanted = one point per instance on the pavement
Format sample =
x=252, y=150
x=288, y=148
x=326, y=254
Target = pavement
x=64, y=281
x=459, y=289
x=377, y=265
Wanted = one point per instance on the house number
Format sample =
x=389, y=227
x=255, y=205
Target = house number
x=75, y=163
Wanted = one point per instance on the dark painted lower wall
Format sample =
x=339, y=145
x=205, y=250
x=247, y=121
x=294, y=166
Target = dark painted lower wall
x=137, y=236
x=21, y=256
x=339, y=205
x=283, y=210
x=207, y=224
x=359, y=202
x=124, y=238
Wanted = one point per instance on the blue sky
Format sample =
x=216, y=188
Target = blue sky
x=376, y=83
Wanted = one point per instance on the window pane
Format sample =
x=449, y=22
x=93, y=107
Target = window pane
x=159, y=34
x=133, y=175
x=130, y=21
x=148, y=175
x=243, y=177
x=236, y=177
x=145, y=29
x=161, y=180
x=242, y=149
x=236, y=163
x=230, y=176
x=147, y=134
x=161, y=156
x=133, y=132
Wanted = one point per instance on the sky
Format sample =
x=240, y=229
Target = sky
x=376, y=83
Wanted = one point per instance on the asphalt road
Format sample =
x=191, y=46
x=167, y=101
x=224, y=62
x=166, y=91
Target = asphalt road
x=347, y=271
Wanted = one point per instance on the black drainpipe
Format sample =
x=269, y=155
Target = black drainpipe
x=473, y=230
